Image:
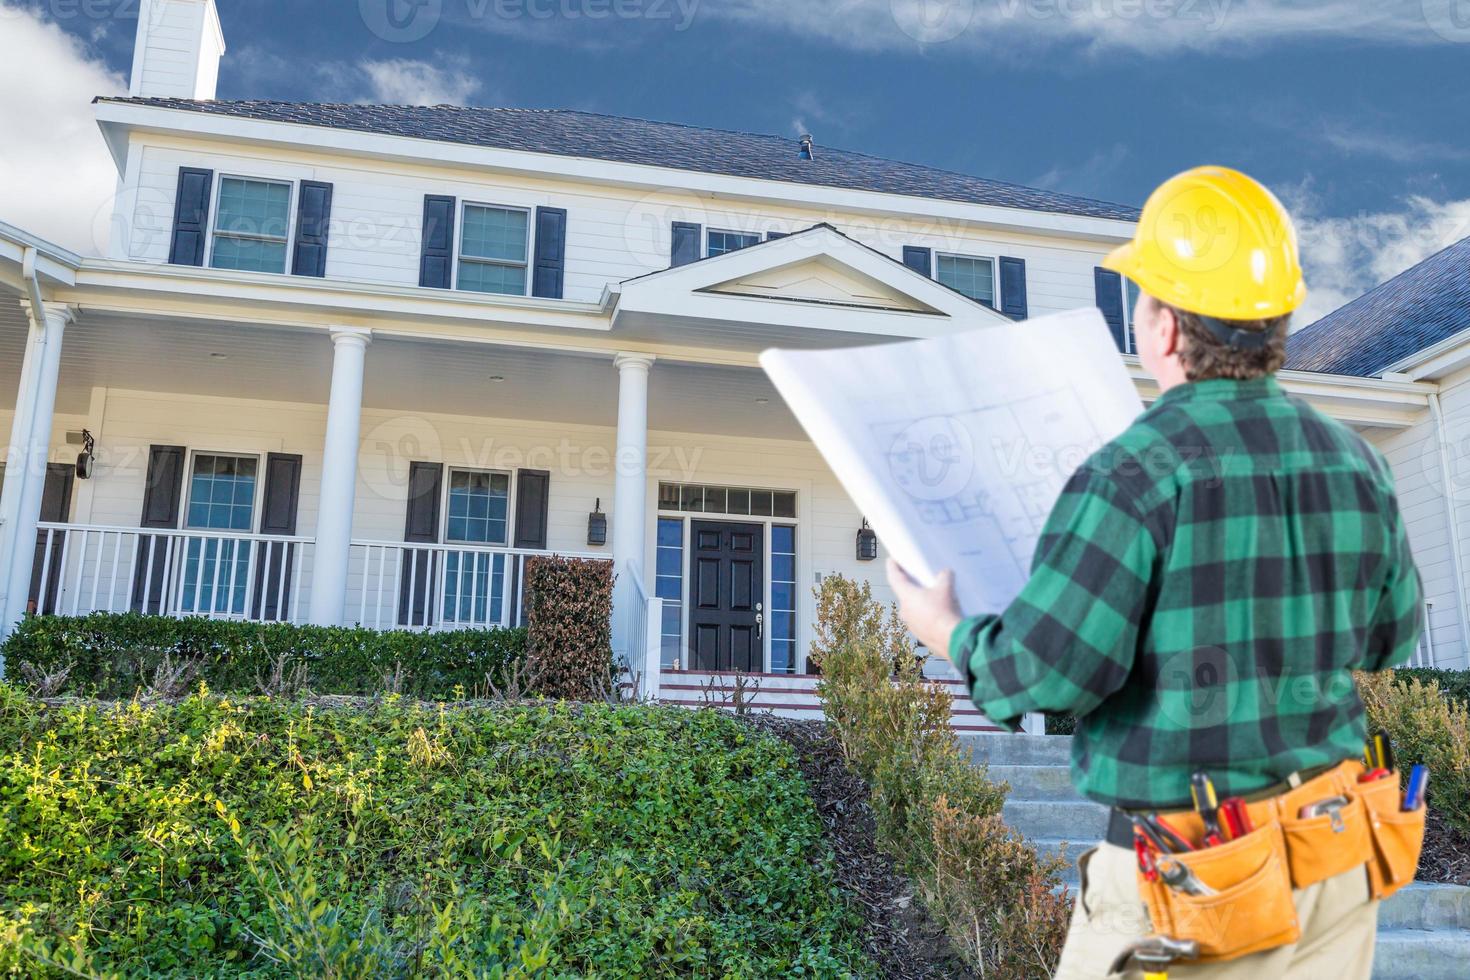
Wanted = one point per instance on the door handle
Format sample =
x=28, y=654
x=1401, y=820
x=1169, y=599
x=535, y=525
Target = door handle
x=759, y=620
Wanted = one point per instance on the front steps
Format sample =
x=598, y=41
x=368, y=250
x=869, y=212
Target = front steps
x=1423, y=931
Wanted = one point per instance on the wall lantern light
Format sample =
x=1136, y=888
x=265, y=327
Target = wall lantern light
x=867, y=543
x=597, y=526
x=88, y=458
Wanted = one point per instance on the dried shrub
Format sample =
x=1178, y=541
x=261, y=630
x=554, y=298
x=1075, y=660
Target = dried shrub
x=937, y=813
x=1429, y=728
x=847, y=613
x=570, y=633
x=45, y=683
x=172, y=678
x=283, y=678
x=737, y=693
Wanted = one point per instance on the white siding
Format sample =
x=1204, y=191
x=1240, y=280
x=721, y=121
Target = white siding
x=178, y=49
x=612, y=235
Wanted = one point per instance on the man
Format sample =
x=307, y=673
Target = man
x=1206, y=582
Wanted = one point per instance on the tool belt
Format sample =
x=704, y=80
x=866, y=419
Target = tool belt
x=1252, y=876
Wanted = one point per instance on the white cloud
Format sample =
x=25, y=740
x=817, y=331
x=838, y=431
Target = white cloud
x=59, y=179
x=1344, y=257
x=401, y=81
x=1149, y=26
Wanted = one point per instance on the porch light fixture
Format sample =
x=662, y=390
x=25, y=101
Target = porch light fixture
x=87, y=460
x=867, y=543
x=597, y=526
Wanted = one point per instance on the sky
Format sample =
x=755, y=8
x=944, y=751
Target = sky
x=1354, y=111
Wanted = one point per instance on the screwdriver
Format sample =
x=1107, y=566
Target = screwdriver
x=1208, y=806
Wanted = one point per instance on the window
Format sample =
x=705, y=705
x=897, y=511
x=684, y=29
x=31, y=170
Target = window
x=493, y=245
x=721, y=242
x=693, y=499
x=783, y=599
x=972, y=276
x=252, y=225
x=669, y=586
x=1130, y=299
x=221, y=498
x=477, y=514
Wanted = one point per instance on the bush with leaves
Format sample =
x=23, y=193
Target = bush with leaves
x=118, y=655
x=937, y=814
x=569, y=624
x=1429, y=728
x=214, y=837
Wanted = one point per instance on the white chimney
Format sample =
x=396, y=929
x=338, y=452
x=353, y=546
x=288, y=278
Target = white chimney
x=178, y=50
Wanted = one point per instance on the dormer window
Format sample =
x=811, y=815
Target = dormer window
x=721, y=242
x=969, y=275
x=493, y=245
x=252, y=225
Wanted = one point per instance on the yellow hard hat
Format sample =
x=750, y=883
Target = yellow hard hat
x=1215, y=242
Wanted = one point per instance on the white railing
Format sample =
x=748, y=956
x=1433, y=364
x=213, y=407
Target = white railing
x=645, y=638
x=393, y=585
x=81, y=569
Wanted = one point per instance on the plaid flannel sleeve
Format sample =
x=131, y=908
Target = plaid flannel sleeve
x=1069, y=639
x=1399, y=618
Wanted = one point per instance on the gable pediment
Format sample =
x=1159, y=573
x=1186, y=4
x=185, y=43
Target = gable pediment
x=821, y=279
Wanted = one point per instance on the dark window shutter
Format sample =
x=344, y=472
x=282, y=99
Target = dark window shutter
x=687, y=239
x=163, y=494
x=921, y=260
x=771, y=236
x=55, y=509
x=1108, y=286
x=533, y=501
x=1013, y=287
x=551, y=253
x=313, y=220
x=416, y=589
x=191, y=216
x=436, y=264
x=276, y=564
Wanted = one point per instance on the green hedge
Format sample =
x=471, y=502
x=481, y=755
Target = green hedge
x=116, y=655
x=213, y=837
x=1452, y=683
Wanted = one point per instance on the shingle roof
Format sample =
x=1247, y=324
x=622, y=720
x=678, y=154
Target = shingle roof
x=566, y=132
x=1415, y=309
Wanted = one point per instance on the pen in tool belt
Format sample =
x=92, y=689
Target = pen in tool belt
x=1207, y=804
x=1418, y=782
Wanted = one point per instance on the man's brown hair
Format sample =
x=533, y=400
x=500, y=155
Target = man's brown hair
x=1205, y=356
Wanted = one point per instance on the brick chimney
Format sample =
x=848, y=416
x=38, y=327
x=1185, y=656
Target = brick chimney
x=178, y=49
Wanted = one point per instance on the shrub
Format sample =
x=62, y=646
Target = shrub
x=212, y=837
x=1452, y=683
x=570, y=641
x=847, y=613
x=937, y=814
x=1427, y=728
x=119, y=655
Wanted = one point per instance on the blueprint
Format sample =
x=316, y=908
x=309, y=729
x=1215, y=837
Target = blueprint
x=956, y=447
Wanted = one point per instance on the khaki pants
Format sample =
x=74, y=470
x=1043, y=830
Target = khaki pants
x=1339, y=924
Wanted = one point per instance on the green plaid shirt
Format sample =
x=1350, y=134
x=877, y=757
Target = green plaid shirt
x=1199, y=596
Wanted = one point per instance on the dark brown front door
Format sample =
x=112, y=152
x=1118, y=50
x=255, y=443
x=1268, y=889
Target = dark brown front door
x=55, y=509
x=726, y=589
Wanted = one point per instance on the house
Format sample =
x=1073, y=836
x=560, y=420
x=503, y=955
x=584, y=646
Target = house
x=354, y=364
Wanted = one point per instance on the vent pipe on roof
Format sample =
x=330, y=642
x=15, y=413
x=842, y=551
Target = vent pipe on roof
x=807, y=147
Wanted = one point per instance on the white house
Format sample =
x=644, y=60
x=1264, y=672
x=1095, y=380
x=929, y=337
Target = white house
x=351, y=364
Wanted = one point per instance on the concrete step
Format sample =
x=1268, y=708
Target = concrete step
x=1062, y=819
x=1412, y=954
x=1036, y=782
x=1005, y=749
x=1424, y=906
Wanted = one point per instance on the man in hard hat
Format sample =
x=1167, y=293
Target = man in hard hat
x=1204, y=586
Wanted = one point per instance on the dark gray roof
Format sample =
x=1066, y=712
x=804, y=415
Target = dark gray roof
x=1415, y=309
x=566, y=132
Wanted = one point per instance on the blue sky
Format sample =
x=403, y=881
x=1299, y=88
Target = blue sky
x=1355, y=112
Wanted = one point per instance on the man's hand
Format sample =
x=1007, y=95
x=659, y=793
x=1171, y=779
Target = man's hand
x=931, y=614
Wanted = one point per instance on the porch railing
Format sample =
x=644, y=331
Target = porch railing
x=645, y=638
x=393, y=585
x=81, y=569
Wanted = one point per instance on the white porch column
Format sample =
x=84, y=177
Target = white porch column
x=630, y=498
x=333, y=550
x=30, y=446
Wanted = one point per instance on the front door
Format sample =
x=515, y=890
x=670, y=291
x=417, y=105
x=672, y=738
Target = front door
x=55, y=509
x=726, y=589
